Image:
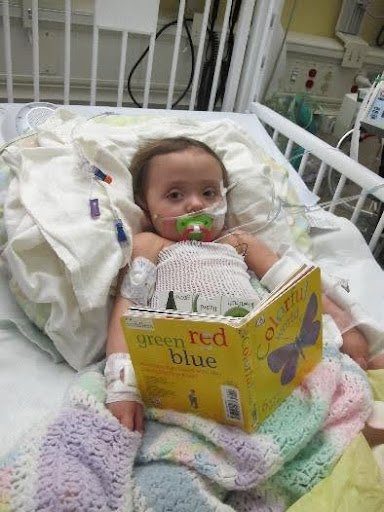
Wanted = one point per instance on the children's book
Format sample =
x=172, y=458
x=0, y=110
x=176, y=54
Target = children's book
x=196, y=303
x=233, y=369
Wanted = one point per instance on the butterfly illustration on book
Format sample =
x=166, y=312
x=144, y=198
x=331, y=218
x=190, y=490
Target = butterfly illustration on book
x=286, y=358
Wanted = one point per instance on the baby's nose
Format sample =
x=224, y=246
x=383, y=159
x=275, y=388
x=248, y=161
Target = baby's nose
x=195, y=203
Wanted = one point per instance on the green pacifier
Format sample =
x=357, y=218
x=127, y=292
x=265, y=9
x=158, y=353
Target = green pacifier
x=196, y=227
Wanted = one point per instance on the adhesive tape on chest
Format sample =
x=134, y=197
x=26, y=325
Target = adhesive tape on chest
x=139, y=281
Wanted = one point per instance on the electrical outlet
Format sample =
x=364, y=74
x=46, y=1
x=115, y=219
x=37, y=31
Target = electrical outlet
x=324, y=80
x=316, y=62
x=355, y=52
x=354, y=56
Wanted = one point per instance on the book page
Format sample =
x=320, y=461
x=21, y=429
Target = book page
x=276, y=293
x=233, y=311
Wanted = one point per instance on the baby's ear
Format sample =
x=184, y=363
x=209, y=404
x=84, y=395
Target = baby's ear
x=148, y=226
x=143, y=205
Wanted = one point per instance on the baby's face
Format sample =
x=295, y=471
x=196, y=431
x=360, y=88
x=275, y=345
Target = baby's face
x=179, y=183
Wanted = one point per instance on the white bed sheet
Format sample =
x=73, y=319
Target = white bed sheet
x=32, y=385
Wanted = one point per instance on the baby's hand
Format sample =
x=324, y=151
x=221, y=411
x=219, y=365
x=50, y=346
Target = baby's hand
x=377, y=363
x=356, y=346
x=130, y=414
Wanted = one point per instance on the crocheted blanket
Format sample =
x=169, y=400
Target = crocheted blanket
x=82, y=459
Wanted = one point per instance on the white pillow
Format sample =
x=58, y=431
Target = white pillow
x=257, y=175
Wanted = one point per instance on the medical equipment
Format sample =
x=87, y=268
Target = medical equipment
x=198, y=225
x=373, y=121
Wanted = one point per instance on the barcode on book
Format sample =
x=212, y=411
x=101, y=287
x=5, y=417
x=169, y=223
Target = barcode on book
x=232, y=403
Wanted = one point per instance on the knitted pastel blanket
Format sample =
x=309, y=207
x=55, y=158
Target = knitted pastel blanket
x=82, y=459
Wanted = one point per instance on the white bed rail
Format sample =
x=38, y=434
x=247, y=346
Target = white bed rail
x=330, y=158
x=58, y=46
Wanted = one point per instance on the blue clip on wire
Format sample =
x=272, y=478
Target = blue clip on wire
x=121, y=236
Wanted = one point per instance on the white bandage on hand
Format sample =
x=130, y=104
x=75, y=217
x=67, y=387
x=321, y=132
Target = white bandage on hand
x=139, y=281
x=120, y=379
x=282, y=270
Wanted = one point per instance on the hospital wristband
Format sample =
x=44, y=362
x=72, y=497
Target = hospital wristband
x=120, y=379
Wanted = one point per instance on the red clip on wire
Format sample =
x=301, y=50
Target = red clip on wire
x=103, y=177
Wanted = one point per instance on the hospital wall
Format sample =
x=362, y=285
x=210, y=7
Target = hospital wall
x=315, y=54
x=319, y=18
x=51, y=55
x=312, y=18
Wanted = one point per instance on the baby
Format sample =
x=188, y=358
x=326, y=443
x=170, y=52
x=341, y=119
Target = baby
x=180, y=184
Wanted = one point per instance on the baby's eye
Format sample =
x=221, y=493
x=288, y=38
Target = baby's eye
x=174, y=195
x=210, y=193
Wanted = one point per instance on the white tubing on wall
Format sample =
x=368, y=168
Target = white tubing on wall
x=238, y=55
x=123, y=58
x=199, y=57
x=175, y=56
x=260, y=67
x=67, y=51
x=149, y=70
x=7, y=51
x=95, y=51
x=216, y=74
x=35, y=50
x=262, y=10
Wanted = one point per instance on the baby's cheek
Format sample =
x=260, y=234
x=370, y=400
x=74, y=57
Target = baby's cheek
x=167, y=229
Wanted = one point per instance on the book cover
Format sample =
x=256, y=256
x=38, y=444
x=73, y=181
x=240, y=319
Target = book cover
x=233, y=370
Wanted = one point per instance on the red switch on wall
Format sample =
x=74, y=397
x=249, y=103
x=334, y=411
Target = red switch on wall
x=309, y=84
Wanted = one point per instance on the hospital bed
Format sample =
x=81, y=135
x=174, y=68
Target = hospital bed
x=31, y=382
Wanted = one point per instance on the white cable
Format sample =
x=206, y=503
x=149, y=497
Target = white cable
x=365, y=107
